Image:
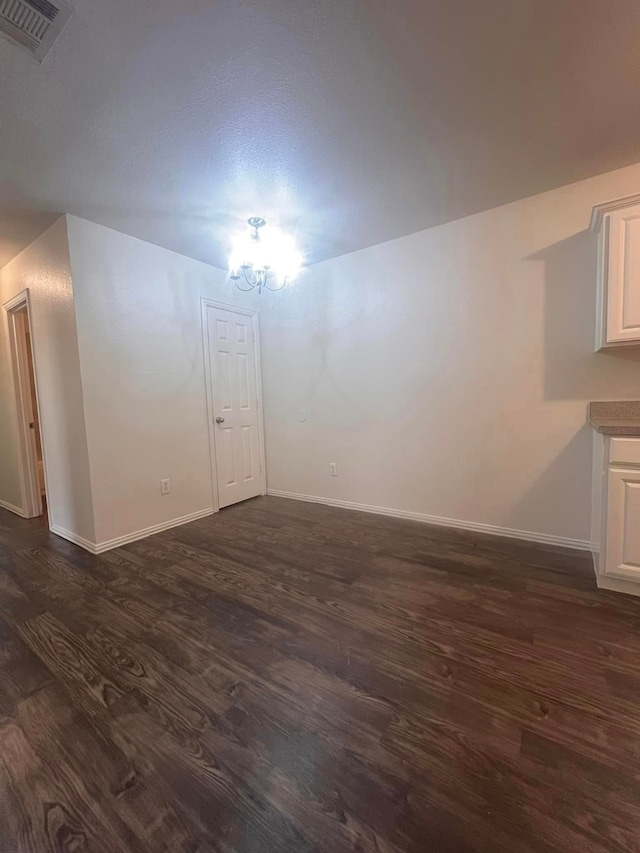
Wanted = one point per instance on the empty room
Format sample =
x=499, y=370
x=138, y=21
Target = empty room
x=319, y=426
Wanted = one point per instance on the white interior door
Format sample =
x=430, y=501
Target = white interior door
x=18, y=317
x=234, y=404
x=30, y=411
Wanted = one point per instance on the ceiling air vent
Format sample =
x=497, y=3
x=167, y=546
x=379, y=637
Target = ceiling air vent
x=33, y=24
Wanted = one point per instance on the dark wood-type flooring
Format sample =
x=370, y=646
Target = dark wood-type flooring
x=292, y=677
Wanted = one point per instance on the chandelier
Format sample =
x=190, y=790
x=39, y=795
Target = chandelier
x=263, y=258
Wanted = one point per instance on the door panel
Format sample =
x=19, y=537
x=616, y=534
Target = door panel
x=234, y=401
x=622, y=557
x=623, y=297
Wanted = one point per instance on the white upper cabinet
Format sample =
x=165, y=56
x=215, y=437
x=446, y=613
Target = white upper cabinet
x=617, y=224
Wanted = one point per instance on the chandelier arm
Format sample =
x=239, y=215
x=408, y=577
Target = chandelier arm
x=276, y=289
x=245, y=289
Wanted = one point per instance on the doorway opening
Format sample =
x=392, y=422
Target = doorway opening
x=31, y=456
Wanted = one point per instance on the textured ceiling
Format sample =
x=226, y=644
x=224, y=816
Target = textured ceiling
x=349, y=121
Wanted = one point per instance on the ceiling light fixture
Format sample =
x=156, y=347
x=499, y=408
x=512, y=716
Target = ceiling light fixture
x=263, y=260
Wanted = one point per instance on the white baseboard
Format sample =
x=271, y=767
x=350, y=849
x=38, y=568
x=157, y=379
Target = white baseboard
x=100, y=547
x=73, y=537
x=508, y=532
x=150, y=531
x=12, y=508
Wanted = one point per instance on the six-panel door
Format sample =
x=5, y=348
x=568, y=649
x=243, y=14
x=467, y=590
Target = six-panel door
x=232, y=371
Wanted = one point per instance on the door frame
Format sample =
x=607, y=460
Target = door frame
x=205, y=304
x=18, y=359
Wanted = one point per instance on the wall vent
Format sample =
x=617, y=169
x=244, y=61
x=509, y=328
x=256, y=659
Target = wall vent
x=33, y=24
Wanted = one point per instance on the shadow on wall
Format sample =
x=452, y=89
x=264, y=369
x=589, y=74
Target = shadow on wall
x=19, y=228
x=572, y=370
x=552, y=497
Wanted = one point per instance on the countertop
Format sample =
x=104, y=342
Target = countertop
x=616, y=418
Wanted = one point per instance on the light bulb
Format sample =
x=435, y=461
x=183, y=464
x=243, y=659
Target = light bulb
x=272, y=253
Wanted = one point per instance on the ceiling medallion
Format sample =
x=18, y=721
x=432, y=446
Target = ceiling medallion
x=263, y=258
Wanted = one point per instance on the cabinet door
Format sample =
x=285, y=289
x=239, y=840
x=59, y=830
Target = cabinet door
x=621, y=264
x=622, y=550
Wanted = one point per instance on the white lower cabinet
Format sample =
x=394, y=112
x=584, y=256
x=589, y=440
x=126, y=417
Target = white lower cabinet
x=616, y=513
x=622, y=549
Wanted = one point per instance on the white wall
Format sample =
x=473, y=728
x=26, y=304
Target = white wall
x=448, y=372
x=43, y=267
x=139, y=330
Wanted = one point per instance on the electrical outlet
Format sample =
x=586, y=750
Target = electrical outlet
x=165, y=487
x=333, y=469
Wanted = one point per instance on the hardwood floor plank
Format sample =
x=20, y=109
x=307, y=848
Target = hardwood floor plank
x=22, y=671
x=70, y=660
x=136, y=666
x=293, y=677
x=122, y=786
x=41, y=810
x=16, y=604
x=222, y=803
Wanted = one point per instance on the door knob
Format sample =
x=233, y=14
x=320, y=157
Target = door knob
x=219, y=420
